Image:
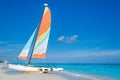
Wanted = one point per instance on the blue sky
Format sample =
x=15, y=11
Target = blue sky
x=82, y=31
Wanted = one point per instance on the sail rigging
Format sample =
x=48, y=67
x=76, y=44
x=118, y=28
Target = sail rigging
x=39, y=45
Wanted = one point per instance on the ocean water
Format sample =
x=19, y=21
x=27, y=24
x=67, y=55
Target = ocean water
x=103, y=70
x=111, y=71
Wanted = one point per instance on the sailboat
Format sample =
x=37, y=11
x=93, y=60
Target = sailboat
x=36, y=46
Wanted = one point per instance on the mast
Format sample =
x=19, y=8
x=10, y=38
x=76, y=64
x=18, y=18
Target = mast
x=32, y=48
x=30, y=56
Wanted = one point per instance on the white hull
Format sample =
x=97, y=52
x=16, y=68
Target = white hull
x=33, y=69
x=57, y=69
x=29, y=68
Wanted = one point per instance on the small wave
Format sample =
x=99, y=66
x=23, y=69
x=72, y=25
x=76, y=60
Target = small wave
x=89, y=77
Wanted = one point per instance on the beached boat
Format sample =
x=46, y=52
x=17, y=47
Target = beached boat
x=36, y=46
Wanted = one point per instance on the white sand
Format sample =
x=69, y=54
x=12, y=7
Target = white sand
x=6, y=74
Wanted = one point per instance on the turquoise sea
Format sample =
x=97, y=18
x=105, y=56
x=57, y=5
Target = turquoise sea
x=111, y=71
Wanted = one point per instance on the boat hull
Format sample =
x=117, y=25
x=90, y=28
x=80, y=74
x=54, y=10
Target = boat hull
x=57, y=69
x=33, y=68
x=29, y=68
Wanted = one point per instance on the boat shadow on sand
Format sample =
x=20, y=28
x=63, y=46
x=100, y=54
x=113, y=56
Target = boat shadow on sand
x=10, y=71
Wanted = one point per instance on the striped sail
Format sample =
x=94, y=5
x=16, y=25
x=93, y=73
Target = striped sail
x=24, y=53
x=40, y=46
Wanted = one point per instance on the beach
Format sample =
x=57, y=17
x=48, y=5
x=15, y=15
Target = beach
x=8, y=74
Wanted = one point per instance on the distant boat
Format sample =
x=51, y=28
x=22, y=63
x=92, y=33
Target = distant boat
x=37, y=45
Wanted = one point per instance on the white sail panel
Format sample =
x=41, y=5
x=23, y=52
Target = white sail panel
x=40, y=46
x=24, y=53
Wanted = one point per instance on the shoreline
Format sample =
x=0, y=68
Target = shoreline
x=85, y=76
x=7, y=74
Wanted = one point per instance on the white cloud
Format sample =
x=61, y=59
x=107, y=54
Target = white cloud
x=10, y=47
x=68, y=39
x=61, y=38
x=3, y=42
x=16, y=45
x=72, y=38
x=84, y=56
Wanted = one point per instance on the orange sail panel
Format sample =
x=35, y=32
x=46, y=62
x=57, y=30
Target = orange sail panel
x=40, y=46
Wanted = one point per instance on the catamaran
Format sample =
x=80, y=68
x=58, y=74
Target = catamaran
x=36, y=46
